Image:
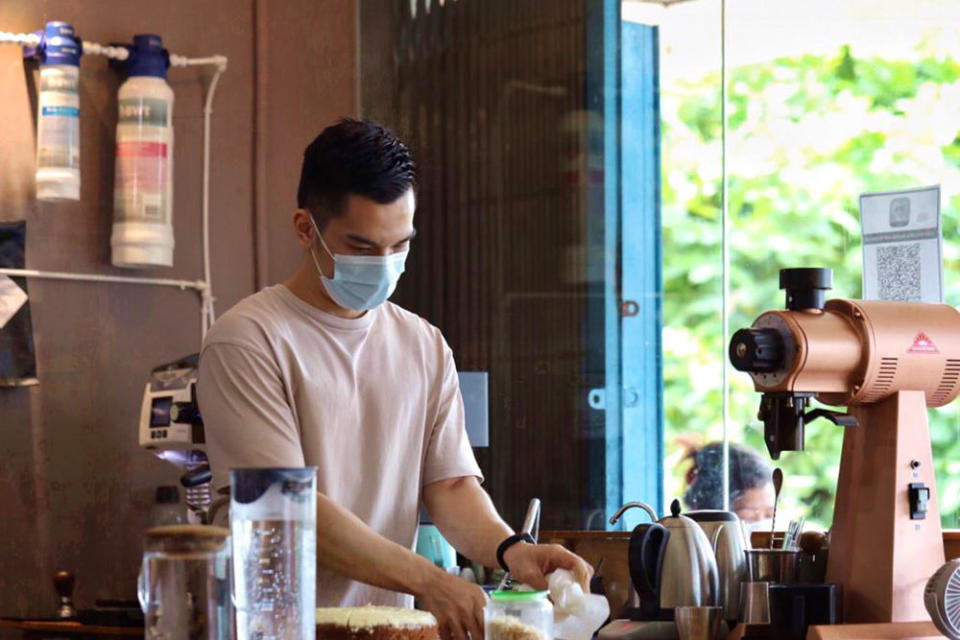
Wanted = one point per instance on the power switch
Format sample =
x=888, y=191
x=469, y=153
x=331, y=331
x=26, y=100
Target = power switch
x=919, y=497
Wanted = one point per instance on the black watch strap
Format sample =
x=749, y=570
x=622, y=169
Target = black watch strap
x=509, y=542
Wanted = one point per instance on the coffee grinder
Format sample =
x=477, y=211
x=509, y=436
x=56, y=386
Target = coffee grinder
x=172, y=428
x=887, y=362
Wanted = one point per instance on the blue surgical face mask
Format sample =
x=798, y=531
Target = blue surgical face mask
x=360, y=283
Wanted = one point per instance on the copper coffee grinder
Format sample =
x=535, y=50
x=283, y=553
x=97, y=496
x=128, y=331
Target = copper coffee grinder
x=886, y=362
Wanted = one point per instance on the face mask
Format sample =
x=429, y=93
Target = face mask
x=759, y=525
x=360, y=283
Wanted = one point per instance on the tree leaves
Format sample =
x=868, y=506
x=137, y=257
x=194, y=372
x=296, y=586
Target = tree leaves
x=806, y=137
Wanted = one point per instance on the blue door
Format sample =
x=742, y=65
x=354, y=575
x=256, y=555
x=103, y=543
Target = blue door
x=623, y=231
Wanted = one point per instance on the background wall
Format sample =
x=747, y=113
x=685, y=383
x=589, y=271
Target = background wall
x=75, y=488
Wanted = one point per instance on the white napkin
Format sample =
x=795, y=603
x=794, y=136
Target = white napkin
x=12, y=297
x=576, y=615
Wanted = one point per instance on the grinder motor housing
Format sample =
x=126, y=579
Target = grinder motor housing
x=843, y=352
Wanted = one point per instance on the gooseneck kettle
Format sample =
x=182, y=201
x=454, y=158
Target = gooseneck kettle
x=672, y=564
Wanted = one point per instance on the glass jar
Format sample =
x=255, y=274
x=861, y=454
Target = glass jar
x=518, y=615
x=184, y=583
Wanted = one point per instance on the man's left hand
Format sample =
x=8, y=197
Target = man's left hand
x=532, y=563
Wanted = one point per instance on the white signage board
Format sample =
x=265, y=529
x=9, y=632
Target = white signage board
x=902, y=245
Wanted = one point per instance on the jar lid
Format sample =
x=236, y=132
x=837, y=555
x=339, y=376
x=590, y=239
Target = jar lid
x=185, y=538
x=518, y=596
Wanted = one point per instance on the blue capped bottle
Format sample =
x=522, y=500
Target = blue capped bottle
x=143, y=176
x=58, y=114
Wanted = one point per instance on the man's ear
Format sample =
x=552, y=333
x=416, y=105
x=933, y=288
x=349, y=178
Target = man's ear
x=303, y=228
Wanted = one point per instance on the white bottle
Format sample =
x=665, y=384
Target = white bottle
x=143, y=178
x=58, y=115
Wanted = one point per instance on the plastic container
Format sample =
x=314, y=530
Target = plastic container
x=518, y=615
x=58, y=115
x=273, y=521
x=184, y=583
x=167, y=508
x=143, y=176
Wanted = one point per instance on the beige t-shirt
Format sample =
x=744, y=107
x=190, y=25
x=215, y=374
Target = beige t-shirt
x=374, y=403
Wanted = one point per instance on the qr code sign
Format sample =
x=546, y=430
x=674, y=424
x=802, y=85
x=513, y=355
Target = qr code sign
x=898, y=268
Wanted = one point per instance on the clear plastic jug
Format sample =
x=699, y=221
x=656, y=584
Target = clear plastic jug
x=273, y=522
x=184, y=583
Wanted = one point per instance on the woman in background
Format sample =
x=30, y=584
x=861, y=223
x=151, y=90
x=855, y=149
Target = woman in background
x=751, y=483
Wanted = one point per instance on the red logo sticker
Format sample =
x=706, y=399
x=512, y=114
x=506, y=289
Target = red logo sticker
x=923, y=344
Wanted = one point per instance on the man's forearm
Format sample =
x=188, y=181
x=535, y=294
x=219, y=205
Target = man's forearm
x=467, y=518
x=349, y=547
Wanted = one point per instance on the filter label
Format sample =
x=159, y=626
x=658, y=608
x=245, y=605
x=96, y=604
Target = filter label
x=140, y=182
x=142, y=149
x=65, y=112
x=58, y=131
x=150, y=112
x=59, y=82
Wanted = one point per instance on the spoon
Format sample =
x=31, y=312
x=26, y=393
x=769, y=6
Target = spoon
x=777, y=485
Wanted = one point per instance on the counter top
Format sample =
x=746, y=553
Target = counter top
x=67, y=627
x=951, y=538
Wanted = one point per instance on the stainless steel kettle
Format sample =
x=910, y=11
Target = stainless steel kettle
x=725, y=532
x=671, y=565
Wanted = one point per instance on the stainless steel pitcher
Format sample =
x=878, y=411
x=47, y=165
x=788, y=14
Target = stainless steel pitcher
x=725, y=532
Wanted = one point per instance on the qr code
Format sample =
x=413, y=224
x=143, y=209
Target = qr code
x=898, y=267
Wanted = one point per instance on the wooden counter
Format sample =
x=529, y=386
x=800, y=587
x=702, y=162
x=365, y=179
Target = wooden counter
x=41, y=629
x=611, y=547
x=951, y=543
x=951, y=538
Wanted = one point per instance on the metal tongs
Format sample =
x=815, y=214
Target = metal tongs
x=531, y=525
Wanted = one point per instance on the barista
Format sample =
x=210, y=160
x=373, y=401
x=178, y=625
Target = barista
x=322, y=370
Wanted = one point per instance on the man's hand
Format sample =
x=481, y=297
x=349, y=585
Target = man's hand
x=531, y=563
x=455, y=603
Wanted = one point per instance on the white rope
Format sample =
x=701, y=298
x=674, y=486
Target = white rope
x=30, y=39
x=116, y=53
x=208, y=313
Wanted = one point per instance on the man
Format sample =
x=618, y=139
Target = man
x=322, y=371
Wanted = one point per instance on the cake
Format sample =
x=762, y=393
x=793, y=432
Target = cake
x=375, y=623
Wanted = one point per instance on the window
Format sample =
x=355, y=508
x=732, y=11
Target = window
x=571, y=217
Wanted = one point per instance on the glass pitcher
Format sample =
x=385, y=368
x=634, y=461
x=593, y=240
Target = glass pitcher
x=273, y=521
x=184, y=583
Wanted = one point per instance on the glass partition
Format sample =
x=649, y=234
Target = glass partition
x=827, y=101
x=537, y=132
x=580, y=168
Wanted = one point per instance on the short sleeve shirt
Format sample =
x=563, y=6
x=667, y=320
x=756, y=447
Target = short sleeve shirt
x=373, y=402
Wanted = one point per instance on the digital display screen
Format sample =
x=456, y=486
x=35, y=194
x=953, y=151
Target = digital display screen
x=160, y=411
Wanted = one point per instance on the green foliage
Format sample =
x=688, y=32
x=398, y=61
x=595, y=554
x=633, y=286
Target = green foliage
x=806, y=136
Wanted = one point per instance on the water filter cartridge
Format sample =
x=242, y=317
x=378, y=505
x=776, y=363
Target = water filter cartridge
x=143, y=176
x=58, y=114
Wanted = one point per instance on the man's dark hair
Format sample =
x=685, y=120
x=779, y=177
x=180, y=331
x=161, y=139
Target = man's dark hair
x=748, y=470
x=352, y=157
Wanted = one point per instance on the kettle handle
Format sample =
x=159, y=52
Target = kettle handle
x=648, y=544
x=716, y=538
